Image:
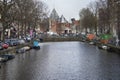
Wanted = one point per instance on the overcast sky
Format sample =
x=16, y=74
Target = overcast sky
x=69, y=8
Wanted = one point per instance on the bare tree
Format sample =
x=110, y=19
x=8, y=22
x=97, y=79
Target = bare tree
x=26, y=13
x=94, y=7
x=104, y=16
x=5, y=6
x=29, y=13
x=87, y=19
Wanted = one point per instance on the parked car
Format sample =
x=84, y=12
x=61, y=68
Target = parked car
x=5, y=45
x=1, y=48
x=21, y=41
x=12, y=42
x=27, y=38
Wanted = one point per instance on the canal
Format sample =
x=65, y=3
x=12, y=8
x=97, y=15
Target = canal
x=63, y=61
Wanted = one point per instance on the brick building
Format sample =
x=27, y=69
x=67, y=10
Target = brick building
x=61, y=25
x=53, y=21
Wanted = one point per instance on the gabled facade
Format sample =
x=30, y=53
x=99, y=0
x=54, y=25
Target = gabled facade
x=53, y=21
x=61, y=25
x=65, y=26
x=57, y=24
x=75, y=26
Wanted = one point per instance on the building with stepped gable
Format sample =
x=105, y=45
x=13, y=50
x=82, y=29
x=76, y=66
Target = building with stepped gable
x=59, y=24
x=53, y=21
x=64, y=25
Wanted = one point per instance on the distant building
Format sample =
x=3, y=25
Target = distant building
x=53, y=21
x=75, y=26
x=65, y=25
x=61, y=25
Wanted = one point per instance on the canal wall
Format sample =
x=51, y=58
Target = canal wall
x=112, y=48
x=12, y=50
x=61, y=39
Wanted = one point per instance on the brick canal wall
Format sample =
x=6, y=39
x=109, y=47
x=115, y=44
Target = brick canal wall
x=112, y=47
x=13, y=49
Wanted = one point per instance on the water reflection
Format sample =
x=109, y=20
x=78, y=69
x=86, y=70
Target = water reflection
x=63, y=61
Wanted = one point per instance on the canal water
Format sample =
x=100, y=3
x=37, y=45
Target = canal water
x=63, y=61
